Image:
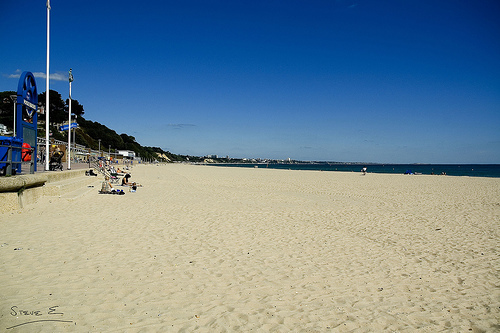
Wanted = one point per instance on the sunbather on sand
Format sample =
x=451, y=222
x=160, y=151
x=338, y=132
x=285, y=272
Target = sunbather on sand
x=121, y=172
x=125, y=179
x=133, y=187
x=106, y=186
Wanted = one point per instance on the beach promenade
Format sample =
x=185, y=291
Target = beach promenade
x=215, y=249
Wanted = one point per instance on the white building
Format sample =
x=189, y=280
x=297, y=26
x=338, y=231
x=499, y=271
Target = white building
x=3, y=130
x=127, y=154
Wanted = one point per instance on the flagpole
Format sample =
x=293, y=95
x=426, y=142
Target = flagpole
x=47, y=92
x=69, y=121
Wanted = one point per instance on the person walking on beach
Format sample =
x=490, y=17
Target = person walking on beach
x=363, y=171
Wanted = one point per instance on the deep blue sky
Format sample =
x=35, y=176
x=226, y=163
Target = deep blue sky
x=398, y=81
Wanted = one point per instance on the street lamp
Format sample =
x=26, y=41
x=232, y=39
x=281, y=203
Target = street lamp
x=99, y=148
x=109, y=152
x=47, y=92
x=69, y=120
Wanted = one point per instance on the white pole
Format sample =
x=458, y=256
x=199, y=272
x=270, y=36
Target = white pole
x=69, y=126
x=47, y=92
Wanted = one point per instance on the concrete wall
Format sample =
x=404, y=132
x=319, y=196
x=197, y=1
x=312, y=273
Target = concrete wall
x=19, y=191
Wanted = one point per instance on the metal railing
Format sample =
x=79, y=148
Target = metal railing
x=77, y=148
x=8, y=167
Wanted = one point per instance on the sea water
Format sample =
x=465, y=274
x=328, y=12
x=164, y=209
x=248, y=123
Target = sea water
x=471, y=170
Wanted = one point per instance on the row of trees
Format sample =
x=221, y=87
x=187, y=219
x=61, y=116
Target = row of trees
x=58, y=107
x=88, y=132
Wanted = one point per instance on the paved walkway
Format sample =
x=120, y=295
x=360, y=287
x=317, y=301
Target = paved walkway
x=41, y=168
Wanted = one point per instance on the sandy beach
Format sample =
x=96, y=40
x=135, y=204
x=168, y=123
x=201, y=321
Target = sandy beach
x=215, y=249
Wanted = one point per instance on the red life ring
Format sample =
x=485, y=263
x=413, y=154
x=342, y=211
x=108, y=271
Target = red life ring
x=26, y=152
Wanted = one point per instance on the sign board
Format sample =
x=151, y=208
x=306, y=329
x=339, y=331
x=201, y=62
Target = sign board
x=65, y=127
x=26, y=111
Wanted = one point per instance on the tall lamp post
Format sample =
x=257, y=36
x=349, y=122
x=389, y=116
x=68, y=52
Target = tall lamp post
x=99, y=149
x=47, y=92
x=70, y=76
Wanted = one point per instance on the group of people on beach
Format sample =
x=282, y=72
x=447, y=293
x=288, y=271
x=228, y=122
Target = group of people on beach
x=133, y=185
x=107, y=187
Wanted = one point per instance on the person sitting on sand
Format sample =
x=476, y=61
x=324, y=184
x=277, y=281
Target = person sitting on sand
x=125, y=179
x=120, y=171
x=106, y=186
x=133, y=188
